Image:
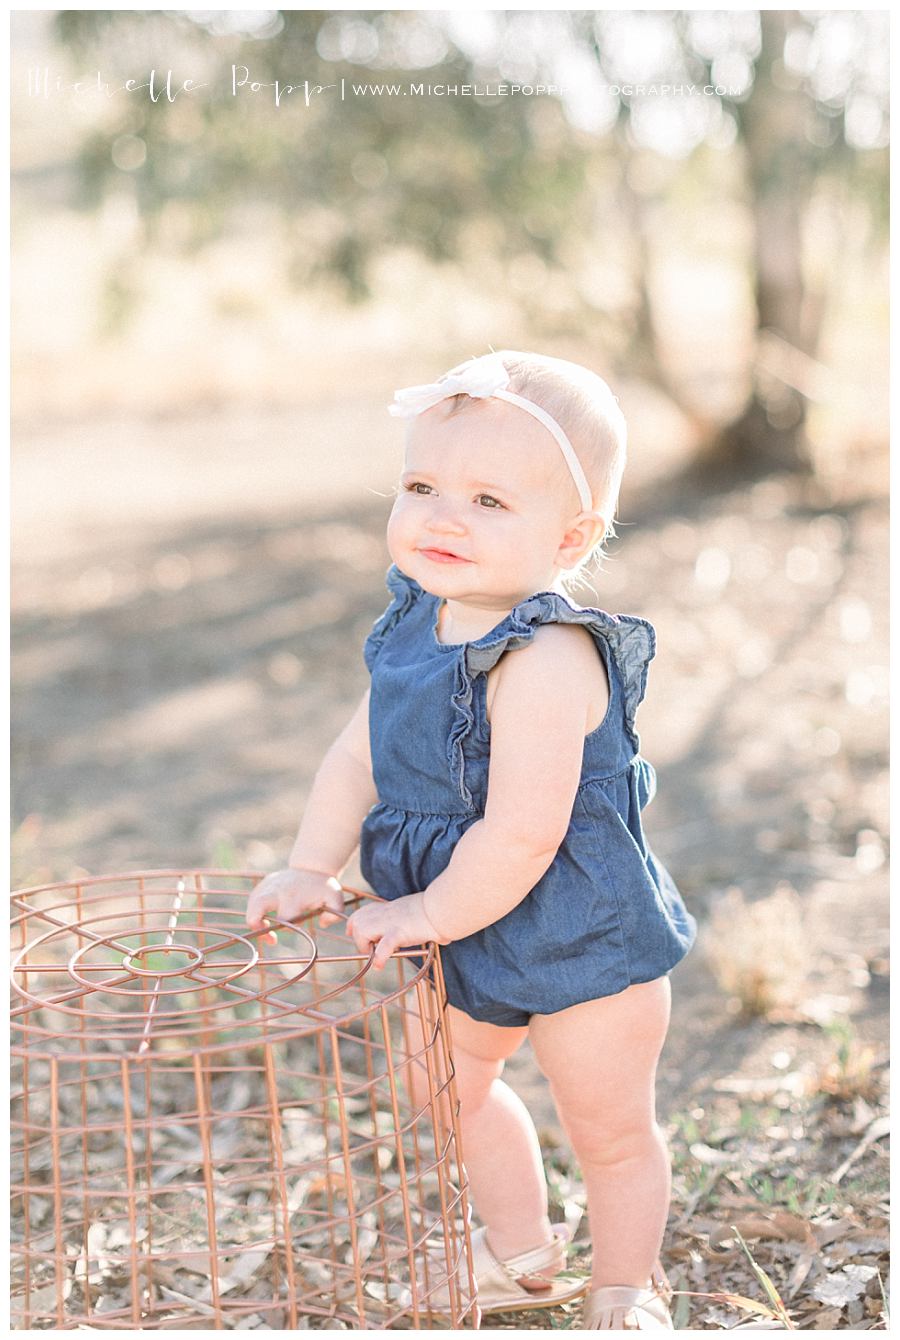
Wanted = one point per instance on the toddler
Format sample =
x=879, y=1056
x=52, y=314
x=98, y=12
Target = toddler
x=493, y=781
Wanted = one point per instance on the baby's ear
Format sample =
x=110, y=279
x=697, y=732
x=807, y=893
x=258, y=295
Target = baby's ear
x=586, y=531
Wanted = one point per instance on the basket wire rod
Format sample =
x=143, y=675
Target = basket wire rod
x=412, y=1054
x=440, y=1082
x=401, y=1166
x=324, y=1098
x=371, y=1090
x=276, y=1147
x=209, y=1189
x=424, y=995
x=74, y=927
x=26, y=1162
x=221, y=963
x=44, y=915
x=26, y=1198
x=58, y=1246
x=207, y=1037
x=148, y=1138
x=289, y=1035
x=148, y=1154
x=85, y=1163
x=194, y=974
x=132, y=1193
x=348, y=1170
x=30, y=1004
x=278, y=1152
x=147, y=1123
x=273, y=1135
x=411, y=1057
x=326, y=1131
x=147, y=1034
x=104, y=967
x=461, y=1174
x=207, y=1029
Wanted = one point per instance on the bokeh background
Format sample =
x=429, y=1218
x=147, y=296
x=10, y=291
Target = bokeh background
x=214, y=298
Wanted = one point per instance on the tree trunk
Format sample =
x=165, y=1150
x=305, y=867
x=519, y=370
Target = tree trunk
x=770, y=433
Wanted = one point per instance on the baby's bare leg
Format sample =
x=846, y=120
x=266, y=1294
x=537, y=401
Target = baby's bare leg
x=499, y=1143
x=600, y=1059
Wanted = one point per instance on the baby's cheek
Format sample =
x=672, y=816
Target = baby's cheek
x=399, y=529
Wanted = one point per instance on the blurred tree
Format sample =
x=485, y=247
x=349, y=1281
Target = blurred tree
x=790, y=142
x=527, y=189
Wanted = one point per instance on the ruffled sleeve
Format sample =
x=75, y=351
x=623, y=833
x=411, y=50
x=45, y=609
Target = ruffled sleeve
x=406, y=592
x=631, y=642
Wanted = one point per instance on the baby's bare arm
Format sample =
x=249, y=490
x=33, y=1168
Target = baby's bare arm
x=342, y=794
x=538, y=724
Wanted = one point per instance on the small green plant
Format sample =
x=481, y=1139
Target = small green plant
x=850, y=1073
x=686, y=1127
x=771, y=1292
x=225, y=855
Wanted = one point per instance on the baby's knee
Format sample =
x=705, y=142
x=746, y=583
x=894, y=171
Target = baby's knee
x=598, y=1143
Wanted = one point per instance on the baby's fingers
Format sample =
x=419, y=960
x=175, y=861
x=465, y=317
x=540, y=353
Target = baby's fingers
x=386, y=946
x=265, y=937
x=334, y=908
x=258, y=904
x=364, y=940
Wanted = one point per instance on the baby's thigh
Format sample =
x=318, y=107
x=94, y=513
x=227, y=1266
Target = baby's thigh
x=477, y=1050
x=600, y=1059
x=479, y=1053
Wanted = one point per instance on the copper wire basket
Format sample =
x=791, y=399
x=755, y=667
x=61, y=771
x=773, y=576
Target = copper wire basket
x=213, y=1132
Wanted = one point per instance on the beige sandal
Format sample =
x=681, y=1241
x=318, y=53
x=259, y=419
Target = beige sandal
x=622, y=1308
x=518, y=1284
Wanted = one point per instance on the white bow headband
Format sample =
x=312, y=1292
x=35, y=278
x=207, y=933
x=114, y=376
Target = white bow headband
x=484, y=377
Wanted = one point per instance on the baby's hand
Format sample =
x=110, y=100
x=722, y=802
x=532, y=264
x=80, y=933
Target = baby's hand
x=290, y=893
x=392, y=925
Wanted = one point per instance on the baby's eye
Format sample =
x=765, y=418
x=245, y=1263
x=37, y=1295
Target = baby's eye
x=493, y=502
x=415, y=485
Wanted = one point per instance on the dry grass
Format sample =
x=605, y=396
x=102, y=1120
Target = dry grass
x=759, y=951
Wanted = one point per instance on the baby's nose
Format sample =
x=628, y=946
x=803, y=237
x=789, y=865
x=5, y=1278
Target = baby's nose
x=444, y=516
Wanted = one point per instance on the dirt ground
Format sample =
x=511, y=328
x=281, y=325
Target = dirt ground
x=182, y=660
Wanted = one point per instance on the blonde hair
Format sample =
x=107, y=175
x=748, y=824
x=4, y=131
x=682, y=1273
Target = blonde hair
x=588, y=413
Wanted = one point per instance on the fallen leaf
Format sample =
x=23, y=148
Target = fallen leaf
x=801, y=1269
x=827, y=1319
x=243, y=1270
x=833, y=1229
x=844, y=1285
x=43, y=1300
x=781, y=1225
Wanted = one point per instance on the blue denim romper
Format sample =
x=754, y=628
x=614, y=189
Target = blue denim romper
x=607, y=913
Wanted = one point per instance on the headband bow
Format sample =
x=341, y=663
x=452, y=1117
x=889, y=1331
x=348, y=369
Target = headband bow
x=484, y=377
x=479, y=377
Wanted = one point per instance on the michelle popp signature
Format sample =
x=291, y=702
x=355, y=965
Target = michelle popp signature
x=162, y=85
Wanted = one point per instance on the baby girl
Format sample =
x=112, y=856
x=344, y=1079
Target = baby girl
x=493, y=782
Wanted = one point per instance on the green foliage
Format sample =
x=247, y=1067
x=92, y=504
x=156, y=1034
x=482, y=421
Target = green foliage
x=439, y=174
